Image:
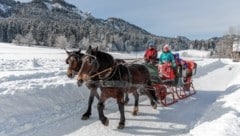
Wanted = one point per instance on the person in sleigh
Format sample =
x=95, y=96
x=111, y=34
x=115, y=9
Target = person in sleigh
x=150, y=55
x=188, y=67
x=167, y=64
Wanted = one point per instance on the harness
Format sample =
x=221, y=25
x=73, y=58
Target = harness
x=108, y=79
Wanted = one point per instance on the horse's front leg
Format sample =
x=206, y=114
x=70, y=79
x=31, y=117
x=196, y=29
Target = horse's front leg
x=120, y=102
x=101, y=115
x=136, y=97
x=93, y=92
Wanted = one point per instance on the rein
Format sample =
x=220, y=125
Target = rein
x=105, y=70
x=111, y=69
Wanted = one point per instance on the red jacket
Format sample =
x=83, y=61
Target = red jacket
x=150, y=54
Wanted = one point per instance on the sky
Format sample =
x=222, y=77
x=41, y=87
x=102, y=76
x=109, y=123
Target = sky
x=38, y=99
x=195, y=19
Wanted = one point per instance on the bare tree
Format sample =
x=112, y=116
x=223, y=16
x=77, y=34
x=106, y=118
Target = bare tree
x=30, y=40
x=24, y=40
x=61, y=41
x=17, y=39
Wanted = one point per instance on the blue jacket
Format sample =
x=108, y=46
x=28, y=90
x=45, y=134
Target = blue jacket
x=167, y=57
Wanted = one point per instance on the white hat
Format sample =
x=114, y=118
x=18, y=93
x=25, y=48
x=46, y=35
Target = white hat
x=166, y=47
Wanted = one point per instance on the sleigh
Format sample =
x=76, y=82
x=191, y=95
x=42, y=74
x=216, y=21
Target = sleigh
x=170, y=84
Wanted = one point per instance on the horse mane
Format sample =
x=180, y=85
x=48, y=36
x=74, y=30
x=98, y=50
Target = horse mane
x=119, y=61
x=105, y=59
x=76, y=54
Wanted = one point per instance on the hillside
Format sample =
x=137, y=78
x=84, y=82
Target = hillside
x=58, y=23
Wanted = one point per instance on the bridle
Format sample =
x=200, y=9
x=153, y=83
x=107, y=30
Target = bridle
x=69, y=61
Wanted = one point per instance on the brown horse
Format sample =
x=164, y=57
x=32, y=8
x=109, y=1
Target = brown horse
x=115, y=79
x=74, y=63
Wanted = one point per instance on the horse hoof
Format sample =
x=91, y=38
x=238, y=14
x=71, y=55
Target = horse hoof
x=106, y=122
x=85, y=117
x=126, y=101
x=121, y=126
x=79, y=83
x=154, y=106
x=134, y=113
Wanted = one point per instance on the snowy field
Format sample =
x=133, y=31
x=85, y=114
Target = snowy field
x=38, y=99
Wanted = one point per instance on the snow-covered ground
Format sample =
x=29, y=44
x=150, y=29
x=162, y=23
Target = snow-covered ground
x=38, y=99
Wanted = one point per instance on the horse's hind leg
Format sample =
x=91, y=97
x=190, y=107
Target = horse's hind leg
x=135, y=109
x=126, y=100
x=93, y=93
x=152, y=96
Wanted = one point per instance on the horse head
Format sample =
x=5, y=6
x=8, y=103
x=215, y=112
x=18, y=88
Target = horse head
x=93, y=63
x=74, y=62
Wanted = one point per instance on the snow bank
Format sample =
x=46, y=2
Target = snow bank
x=194, y=53
x=223, y=117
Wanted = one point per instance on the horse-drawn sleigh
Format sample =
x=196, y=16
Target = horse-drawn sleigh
x=116, y=78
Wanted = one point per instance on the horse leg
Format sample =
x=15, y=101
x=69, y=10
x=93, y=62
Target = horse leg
x=126, y=98
x=93, y=93
x=136, y=97
x=120, y=103
x=100, y=108
x=153, y=98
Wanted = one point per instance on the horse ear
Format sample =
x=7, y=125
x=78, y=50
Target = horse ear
x=95, y=49
x=89, y=47
x=67, y=51
x=79, y=50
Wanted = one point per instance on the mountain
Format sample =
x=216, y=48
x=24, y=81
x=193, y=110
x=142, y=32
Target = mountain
x=58, y=23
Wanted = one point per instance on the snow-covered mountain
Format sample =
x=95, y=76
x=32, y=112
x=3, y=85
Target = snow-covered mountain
x=44, y=21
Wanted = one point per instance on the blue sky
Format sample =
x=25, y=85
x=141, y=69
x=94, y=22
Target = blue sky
x=195, y=19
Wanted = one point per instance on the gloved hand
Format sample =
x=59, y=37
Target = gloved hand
x=185, y=65
x=174, y=65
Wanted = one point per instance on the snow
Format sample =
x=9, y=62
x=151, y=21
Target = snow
x=38, y=99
